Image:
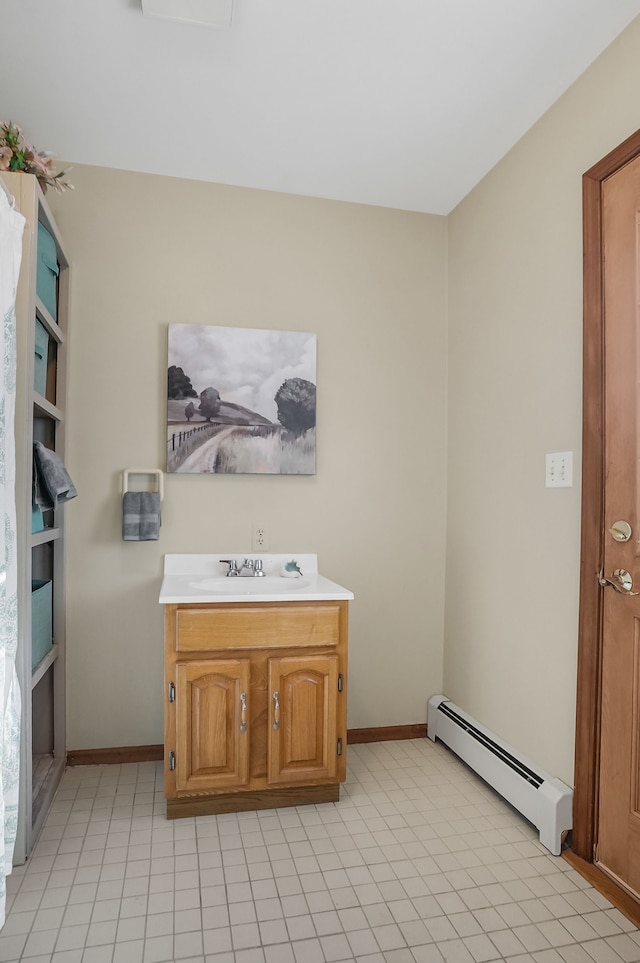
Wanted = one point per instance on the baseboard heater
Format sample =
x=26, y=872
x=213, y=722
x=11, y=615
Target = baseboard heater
x=544, y=801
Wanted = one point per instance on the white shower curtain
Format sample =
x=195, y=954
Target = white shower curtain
x=11, y=229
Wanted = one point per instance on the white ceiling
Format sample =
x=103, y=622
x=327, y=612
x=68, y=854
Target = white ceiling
x=400, y=103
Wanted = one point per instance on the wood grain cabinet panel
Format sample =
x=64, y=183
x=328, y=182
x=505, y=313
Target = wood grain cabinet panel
x=303, y=744
x=242, y=626
x=256, y=708
x=212, y=735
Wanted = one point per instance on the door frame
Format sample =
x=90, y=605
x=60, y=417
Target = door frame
x=589, y=683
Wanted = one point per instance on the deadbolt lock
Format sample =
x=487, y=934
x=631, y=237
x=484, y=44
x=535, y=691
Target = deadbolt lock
x=621, y=531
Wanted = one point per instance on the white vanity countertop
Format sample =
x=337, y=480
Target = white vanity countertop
x=202, y=578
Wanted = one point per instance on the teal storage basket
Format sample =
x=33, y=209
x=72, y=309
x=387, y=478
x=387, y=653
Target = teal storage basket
x=41, y=619
x=47, y=271
x=37, y=519
x=41, y=351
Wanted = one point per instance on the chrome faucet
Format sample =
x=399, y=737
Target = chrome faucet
x=249, y=568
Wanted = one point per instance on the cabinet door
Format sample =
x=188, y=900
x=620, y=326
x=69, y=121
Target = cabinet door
x=302, y=719
x=212, y=739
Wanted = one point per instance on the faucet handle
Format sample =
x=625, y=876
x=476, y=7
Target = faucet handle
x=233, y=566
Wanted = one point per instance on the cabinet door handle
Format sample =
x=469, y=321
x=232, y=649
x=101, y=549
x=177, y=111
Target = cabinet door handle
x=276, y=711
x=243, y=712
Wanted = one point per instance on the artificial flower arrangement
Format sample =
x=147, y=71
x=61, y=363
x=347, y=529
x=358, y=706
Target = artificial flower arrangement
x=16, y=154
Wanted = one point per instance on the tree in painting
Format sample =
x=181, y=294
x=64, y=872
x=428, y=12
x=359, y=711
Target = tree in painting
x=179, y=384
x=296, y=401
x=209, y=403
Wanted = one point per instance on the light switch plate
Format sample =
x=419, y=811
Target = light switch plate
x=559, y=469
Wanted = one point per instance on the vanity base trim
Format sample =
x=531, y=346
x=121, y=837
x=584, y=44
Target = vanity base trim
x=386, y=734
x=236, y=802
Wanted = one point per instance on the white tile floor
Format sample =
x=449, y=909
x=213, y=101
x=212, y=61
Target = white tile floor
x=418, y=863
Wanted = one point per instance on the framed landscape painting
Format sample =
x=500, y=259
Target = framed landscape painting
x=241, y=400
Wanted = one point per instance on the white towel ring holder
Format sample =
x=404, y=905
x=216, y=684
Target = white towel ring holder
x=159, y=475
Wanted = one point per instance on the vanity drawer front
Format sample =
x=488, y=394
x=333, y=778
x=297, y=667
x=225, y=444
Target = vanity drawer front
x=257, y=626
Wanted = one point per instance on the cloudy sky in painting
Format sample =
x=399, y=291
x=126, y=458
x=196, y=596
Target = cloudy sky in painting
x=246, y=365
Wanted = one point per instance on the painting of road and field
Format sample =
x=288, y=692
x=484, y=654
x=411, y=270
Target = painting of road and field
x=241, y=400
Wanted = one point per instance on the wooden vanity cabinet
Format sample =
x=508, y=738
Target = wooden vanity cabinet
x=255, y=705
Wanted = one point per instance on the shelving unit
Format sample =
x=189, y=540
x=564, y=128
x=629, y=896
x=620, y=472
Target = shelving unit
x=40, y=554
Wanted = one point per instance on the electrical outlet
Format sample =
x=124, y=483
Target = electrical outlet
x=259, y=542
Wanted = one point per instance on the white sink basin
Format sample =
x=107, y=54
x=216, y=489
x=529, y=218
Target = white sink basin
x=202, y=580
x=250, y=585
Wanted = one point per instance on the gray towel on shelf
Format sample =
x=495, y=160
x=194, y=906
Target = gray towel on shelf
x=52, y=485
x=141, y=516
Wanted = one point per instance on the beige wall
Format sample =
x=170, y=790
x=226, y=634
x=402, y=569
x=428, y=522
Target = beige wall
x=515, y=338
x=371, y=283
